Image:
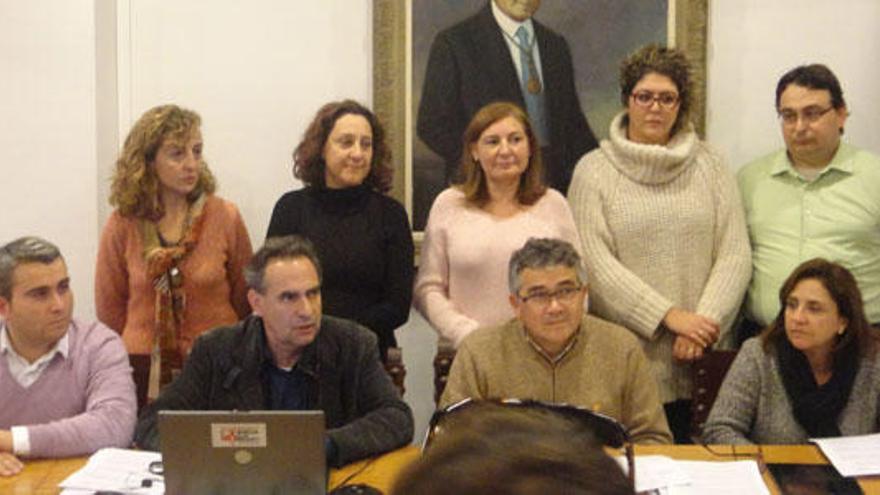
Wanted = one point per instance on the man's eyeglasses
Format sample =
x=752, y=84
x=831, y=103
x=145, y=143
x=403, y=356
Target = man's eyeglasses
x=809, y=115
x=565, y=295
x=666, y=99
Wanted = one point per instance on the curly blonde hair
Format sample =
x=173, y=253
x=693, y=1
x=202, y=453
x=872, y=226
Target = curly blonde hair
x=135, y=188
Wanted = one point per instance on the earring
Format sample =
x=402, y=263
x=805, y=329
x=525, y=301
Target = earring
x=841, y=331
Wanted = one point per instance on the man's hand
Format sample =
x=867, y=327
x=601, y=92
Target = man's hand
x=9, y=464
x=697, y=328
x=5, y=441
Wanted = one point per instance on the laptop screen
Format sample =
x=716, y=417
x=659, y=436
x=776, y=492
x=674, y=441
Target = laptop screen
x=254, y=452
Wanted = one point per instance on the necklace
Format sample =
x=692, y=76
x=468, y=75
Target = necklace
x=533, y=83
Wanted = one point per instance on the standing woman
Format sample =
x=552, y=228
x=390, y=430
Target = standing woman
x=475, y=226
x=362, y=236
x=171, y=258
x=665, y=242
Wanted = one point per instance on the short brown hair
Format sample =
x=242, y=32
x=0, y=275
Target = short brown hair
x=665, y=61
x=474, y=187
x=844, y=290
x=308, y=157
x=135, y=187
x=23, y=250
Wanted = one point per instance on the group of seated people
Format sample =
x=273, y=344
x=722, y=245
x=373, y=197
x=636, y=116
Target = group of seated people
x=602, y=300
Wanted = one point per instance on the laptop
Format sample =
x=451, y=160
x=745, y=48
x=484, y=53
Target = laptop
x=253, y=452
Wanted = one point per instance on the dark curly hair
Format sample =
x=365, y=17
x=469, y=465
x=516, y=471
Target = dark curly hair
x=665, y=61
x=308, y=157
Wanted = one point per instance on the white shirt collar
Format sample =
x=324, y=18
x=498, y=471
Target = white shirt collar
x=62, y=346
x=509, y=25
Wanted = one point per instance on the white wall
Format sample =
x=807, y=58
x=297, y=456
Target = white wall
x=48, y=182
x=75, y=74
x=256, y=72
x=753, y=42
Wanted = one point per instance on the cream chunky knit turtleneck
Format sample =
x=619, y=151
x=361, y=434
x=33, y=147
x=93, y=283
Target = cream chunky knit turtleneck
x=662, y=226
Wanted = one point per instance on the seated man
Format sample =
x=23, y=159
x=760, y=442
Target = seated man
x=65, y=386
x=552, y=351
x=286, y=355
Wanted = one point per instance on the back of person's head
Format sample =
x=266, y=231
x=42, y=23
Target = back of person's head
x=491, y=449
x=23, y=250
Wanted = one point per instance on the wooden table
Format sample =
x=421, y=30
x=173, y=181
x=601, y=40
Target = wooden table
x=771, y=454
x=42, y=477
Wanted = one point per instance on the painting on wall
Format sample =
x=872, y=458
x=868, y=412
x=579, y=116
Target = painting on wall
x=435, y=63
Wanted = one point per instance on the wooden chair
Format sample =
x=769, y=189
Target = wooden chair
x=442, y=363
x=707, y=375
x=140, y=364
x=395, y=368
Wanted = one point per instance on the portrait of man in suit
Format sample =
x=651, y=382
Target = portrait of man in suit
x=554, y=59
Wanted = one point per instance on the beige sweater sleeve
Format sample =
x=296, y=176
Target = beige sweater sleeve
x=732, y=268
x=464, y=380
x=632, y=302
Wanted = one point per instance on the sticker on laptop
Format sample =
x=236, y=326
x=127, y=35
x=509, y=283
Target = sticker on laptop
x=238, y=434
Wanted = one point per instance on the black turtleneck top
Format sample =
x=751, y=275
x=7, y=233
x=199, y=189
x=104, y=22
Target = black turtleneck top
x=365, y=247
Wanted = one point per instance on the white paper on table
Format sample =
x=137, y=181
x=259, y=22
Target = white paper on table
x=720, y=478
x=857, y=455
x=655, y=471
x=119, y=470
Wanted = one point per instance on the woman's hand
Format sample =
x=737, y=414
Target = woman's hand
x=684, y=349
x=697, y=328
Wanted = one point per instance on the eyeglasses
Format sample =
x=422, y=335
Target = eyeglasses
x=666, y=99
x=565, y=295
x=809, y=115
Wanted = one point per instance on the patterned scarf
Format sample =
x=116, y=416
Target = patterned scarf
x=163, y=268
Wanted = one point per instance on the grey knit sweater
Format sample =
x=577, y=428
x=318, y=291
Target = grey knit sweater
x=662, y=226
x=753, y=407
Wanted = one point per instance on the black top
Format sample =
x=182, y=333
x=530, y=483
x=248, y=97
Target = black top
x=365, y=246
x=363, y=412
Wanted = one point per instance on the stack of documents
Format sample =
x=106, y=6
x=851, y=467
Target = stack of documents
x=116, y=470
x=852, y=456
x=663, y=475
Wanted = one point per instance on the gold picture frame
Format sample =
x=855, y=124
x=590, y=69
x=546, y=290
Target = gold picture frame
x=392, y=97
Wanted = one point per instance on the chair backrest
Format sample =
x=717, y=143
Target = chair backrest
x=442, y=363
x=395, y=368
x=707, y=375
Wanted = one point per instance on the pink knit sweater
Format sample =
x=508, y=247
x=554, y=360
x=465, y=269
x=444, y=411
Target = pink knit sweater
x=80, y=403
x=462, y=281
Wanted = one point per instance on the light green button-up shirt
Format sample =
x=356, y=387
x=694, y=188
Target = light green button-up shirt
x=792, y=220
